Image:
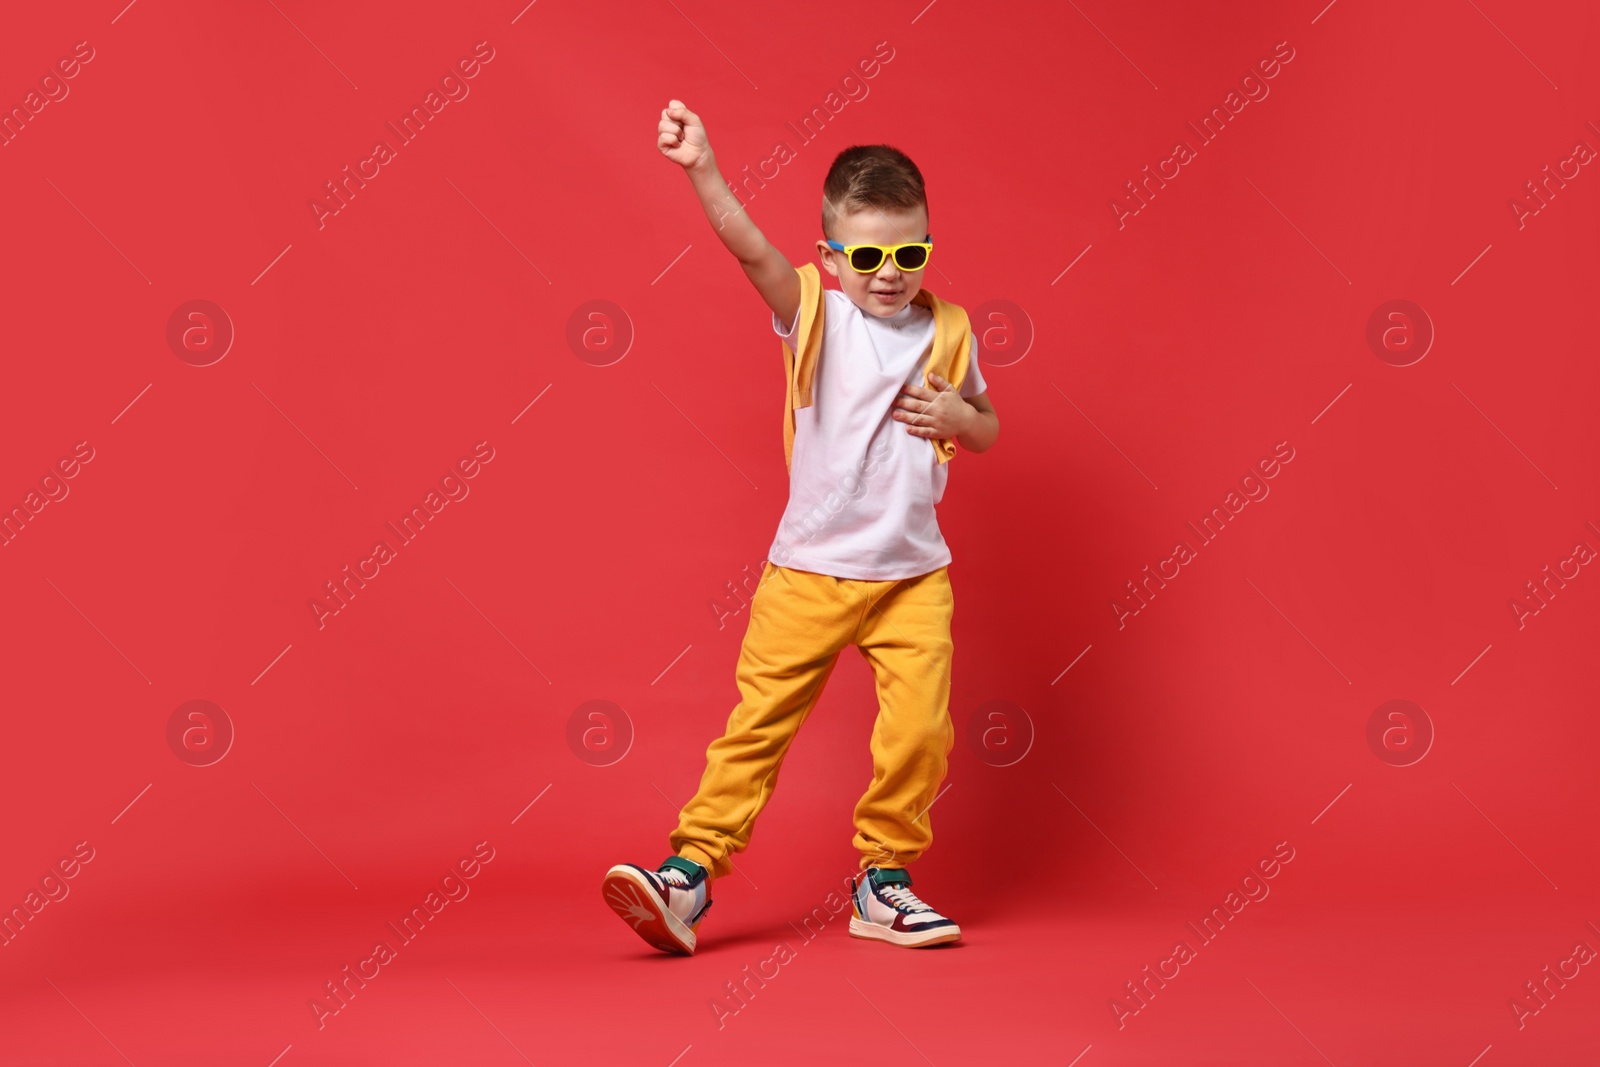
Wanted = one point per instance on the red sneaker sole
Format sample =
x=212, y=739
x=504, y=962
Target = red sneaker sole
x=627, y=893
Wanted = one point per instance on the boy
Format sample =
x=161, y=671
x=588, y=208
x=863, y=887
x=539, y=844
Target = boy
x=858, y=558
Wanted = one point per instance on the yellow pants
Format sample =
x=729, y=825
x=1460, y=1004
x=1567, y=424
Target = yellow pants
x=799, y=623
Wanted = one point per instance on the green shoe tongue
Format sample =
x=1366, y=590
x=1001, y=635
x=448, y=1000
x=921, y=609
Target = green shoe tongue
x=891, y=876
x=688, y=868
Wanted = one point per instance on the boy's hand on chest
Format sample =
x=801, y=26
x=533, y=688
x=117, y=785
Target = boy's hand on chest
x=936, y=412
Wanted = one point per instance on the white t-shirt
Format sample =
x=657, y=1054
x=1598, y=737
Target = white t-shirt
x=861, y=489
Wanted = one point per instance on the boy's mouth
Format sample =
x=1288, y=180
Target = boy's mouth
x=886, y=295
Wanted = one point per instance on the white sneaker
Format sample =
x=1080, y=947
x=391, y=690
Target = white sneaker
x=663, y=906
x=887, y=910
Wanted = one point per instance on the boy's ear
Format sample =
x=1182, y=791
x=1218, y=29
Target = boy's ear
x=826, y=254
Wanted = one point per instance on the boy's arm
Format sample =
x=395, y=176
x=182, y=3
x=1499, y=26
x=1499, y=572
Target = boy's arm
x=943, y=412
x=983, y=424
x=683, y=140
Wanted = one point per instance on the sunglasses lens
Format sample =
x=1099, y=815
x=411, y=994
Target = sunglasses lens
x=867, y=259
x=911, y=258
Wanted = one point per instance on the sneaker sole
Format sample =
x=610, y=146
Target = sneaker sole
x=907, y=939
x=630, y=895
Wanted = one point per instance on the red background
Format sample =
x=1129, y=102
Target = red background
x=1229, y=715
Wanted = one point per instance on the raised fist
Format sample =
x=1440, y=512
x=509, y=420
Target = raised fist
x=683, y=136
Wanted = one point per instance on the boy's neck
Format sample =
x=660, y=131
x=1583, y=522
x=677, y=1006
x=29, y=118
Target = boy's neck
x=898, y=319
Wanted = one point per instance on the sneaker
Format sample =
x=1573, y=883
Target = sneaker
x=664, y=906
x=886, y=909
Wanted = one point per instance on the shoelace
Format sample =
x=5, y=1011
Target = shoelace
x=904, y=898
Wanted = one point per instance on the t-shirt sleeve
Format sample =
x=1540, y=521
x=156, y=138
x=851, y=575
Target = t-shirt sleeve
x=973, y=383
x=789, y=334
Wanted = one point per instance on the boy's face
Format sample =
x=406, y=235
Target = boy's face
x=886, y=291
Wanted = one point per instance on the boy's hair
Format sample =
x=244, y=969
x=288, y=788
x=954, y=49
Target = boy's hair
x=870, y=176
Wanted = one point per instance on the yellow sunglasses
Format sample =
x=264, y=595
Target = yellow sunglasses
x=868, y=259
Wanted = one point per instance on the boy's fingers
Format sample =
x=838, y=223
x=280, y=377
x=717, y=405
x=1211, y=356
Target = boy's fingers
x=677, y=118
